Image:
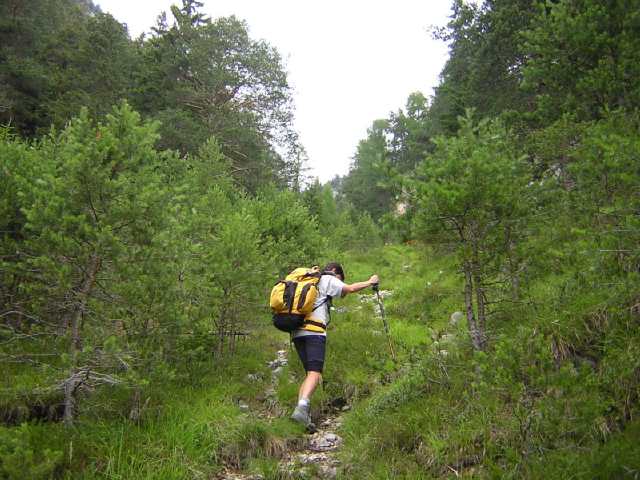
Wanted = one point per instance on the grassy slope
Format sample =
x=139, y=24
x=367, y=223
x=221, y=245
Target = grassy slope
x=191, y=427
x=524, y=409
x=517, y=411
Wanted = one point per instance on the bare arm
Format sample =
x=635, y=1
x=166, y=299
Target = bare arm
x=356, y=287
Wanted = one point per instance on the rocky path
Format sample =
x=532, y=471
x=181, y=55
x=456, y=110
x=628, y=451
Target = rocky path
x=316, y=459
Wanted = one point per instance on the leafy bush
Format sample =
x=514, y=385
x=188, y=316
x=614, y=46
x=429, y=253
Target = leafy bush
x=24, y=454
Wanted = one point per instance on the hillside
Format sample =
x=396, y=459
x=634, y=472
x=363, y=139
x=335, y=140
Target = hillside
x=153, y=190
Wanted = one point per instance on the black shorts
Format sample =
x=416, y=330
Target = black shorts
x=311, y=349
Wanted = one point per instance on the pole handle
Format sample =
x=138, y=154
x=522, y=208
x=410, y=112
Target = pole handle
x=375, y=287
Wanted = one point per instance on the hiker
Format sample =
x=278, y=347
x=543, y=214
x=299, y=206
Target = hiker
x=310, y=339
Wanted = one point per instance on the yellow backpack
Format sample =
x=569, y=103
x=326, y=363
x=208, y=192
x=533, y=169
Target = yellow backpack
x=292, y=299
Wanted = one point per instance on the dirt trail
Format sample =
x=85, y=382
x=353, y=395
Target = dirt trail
x=316, y=458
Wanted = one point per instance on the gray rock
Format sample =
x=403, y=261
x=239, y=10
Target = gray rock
x=324, y=442
x=328, y=471
x=318, y=459
x=280, y=361
x=331, y=424
x=456, y=317
x=277, y=364
x=367, y=298
x=241, y=476
x=332, y=438
x=447, y=338
x=309, y=458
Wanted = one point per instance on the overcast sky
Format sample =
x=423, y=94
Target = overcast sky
x=349, y=62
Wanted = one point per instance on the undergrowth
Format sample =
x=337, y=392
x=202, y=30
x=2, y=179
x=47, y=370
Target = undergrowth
x=555, y=394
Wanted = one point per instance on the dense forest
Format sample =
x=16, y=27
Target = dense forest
x=153, y=189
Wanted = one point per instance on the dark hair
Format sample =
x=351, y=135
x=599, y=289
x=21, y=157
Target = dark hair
x=335, y=266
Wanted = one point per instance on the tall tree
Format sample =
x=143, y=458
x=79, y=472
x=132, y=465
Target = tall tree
x=484, y=69
x=91, y=197
x=410, y=133
x=472, y=193
x=365, y=186
x=320, y=201
x=207, y=77
x=57, y=56
x=90, y=65
x=583, y=57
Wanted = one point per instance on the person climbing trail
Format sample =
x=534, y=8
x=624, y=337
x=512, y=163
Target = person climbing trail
x=310, y=339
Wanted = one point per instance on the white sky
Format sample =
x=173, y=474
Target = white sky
x=350, y=62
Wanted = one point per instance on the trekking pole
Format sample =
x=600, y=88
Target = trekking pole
x=376, y=288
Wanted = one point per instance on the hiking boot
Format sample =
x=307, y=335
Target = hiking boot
x=301, y=415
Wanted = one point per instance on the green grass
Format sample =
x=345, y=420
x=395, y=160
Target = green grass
x=554, y=396
x=191, y=426
x=195, y=432
x=520, y=410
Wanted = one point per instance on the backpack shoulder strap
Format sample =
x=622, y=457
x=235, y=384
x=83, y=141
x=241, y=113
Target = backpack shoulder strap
x=326, y=300
x=329, y=298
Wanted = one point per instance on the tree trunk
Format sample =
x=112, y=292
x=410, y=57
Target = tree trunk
x=515, y=281
x=222, y=319
x=481, y=324
x=468, y=300
x=65, y=320
x=513, y=267
x=83, y=298
x=69, y=403
x=233, y=327
x=482, y=317
x=71, y=386
x=72, y=383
